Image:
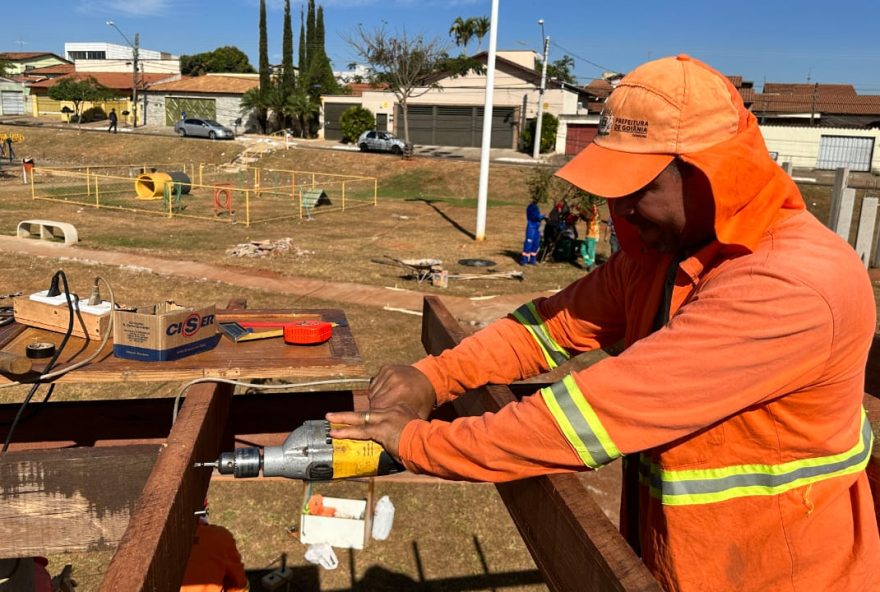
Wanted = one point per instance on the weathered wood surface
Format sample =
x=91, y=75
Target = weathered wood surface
x=153, y=553
x=77, y=499
x=872, y=405
x=265, y=358
x=571, y=540
x=253, y=419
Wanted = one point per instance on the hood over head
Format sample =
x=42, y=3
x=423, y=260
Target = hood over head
x=678, y=107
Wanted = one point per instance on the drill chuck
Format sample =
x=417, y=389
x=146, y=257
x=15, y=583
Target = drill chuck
x=244, y=462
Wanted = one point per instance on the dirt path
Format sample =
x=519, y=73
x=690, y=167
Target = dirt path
x=476, y=311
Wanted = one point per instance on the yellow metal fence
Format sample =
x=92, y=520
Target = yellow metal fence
x=236, y=194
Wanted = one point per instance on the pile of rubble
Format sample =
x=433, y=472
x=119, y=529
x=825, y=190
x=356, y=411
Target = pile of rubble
x=266, y=248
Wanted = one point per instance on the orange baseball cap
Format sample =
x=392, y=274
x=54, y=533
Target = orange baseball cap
x=671, y=106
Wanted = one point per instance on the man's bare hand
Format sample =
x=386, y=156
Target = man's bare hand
x=381, y=425
x=402, y=385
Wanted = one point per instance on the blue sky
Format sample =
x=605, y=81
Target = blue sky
x=772, y=40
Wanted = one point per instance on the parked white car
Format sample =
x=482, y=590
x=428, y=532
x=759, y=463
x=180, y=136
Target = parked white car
x=381, y=142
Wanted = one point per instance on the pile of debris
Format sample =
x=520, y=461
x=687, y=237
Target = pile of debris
x=266, y=248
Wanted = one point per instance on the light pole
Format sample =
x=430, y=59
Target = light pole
x=134, y=70
x=536, y=150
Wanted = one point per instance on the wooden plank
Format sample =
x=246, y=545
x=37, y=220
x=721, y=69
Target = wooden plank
x=872, y=370
x=573, y=543
x=257, y=417
x=76, y=499
x=153, y=553
x=872, y=406
x=266, y=358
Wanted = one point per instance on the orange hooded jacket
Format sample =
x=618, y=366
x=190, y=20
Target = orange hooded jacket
x=741, y=416
x=214, y=563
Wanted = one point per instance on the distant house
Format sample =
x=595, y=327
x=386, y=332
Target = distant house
x=20, y=62
x=212, y=96
x=452, y=114
x=118, y=82
x=13, y=97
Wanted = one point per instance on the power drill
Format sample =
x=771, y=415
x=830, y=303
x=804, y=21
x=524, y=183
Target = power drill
x=310, y=454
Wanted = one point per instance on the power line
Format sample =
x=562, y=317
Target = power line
x=583, y=59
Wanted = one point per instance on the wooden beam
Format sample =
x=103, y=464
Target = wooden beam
x=872, y=370
x=76, y=499
x=153, y=553
x=148, y=421
x=573, y=543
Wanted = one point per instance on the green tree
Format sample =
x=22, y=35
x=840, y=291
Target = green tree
x=481, y=27
x=264, y=49
x=549, y=126
x=78, y=92
x=223, y=59
x=407, y=64
x=302, y=107
x=462, y=31
x=562, y=70
x=321, y=77
x=288, y=79
x=354, y=121
x=254, y=102
x=301, y=58
x=311, y=25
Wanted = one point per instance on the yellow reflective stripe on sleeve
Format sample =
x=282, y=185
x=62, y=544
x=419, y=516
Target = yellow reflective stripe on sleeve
x=706, y=486
x=528, y=315
x=579, y=423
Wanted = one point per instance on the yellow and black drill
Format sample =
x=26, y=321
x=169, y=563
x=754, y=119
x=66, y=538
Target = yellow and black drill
x=310, y=454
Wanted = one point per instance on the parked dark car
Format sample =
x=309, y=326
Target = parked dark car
x=382, y=142
x=202, y=128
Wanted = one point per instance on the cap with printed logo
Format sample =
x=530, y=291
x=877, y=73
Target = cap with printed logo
x=662, y=109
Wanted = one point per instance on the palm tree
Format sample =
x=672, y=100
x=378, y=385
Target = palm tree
x=254, y=102
x=303, y=108
x=462, y=31
x=275, y=100
x=481, y=25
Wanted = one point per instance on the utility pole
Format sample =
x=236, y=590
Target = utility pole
x=134, y=70
x=536, y=151
x=486, y=144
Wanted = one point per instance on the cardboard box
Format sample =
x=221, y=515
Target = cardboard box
x=163, y=332
x=347, y=529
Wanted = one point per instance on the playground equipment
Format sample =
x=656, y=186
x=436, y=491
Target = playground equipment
x=152, y=185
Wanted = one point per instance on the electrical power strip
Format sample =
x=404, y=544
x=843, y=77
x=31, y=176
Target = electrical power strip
x=80, y=305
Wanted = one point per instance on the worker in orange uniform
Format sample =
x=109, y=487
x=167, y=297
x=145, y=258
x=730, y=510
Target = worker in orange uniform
x=214, y=563
x=737, y=401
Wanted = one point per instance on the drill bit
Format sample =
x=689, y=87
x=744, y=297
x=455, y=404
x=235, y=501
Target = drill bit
x=213, y=465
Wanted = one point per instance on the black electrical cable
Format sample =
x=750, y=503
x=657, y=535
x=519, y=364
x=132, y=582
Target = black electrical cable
x=71, y=313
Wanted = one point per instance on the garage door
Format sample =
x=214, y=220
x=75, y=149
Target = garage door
x=199, y=108
x=332, y=113
x=439, y=125
x=11, y=102
x=845, y=151
x=578, y=136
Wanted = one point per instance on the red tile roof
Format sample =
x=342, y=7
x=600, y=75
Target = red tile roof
x=786, y=88
x=18, y=56
x=208, y=84
x=359, y=88
x=53, y=69
x=112, y=80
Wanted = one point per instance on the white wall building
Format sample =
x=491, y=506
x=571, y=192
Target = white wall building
x=110, y=51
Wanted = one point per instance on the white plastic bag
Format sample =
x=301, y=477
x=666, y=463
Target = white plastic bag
x=322, y=554
x=383, y=518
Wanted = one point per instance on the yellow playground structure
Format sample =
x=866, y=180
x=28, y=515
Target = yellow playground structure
x=229, y=193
